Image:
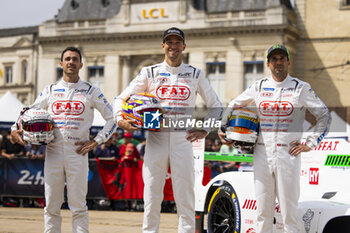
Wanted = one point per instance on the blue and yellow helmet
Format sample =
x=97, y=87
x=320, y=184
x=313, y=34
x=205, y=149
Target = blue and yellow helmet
x=242, y=127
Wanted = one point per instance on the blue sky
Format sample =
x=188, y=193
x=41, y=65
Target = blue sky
x=22, y=13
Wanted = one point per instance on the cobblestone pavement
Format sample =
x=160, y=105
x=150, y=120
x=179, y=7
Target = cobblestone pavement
x=30, y=220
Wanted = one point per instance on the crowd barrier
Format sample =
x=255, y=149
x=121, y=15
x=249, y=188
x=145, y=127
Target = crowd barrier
x=22, y=177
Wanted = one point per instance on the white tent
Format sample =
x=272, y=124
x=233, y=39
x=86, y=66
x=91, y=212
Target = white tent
x=10, y=107
x=338, y=124
x=98, y=119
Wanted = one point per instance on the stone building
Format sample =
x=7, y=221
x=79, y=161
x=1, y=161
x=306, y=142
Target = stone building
x=19, y=62
x=323, y=47
x=227, y=39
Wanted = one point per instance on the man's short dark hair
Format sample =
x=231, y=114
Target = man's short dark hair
x=73, y=49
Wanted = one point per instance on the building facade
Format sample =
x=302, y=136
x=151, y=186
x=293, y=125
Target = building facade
x=325, y=44
x=322, y=58
x=19, y=62
x=227, y=39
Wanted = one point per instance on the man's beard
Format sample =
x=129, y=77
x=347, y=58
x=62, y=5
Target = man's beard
x=280, y=74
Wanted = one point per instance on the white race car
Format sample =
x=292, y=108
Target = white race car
x=228, y=204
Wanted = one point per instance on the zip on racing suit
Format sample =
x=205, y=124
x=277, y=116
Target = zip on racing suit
x=281, y=107
x=176, y=88
x=71, y=106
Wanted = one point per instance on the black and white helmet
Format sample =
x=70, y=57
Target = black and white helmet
x=37, y=126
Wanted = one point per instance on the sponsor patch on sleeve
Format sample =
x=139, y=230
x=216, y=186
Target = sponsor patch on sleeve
x=268, y=89
x=312, y=92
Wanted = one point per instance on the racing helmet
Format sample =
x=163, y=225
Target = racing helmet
x=37, y=126
x=136, y=105
x=242, y=128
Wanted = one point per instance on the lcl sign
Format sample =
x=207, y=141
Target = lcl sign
x=154, y=13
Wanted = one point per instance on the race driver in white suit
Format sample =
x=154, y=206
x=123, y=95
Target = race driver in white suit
x=70, y=102
x=280, y=101
x=176, y=85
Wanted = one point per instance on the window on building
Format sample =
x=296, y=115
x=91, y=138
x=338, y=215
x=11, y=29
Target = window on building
x=96, y=76
x=24, y=71
x=344, y=5
x=216, y=73
x=9, y=74
x=105, y=3
x=74, y=4
x=253, y=70
x=59, y=73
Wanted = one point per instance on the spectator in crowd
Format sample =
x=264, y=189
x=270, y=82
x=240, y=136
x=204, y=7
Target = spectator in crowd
x=208, y=145
x=91, y=153
x=214, y=146
x=129, y=157
x=228, y=149
x=107, y=150
x=115, y=138
x=1, y=137
x=217, y=145
x=141, y=147
x=127, y=138
x=215, y=168
x=228, y=165
x=130, y=154
x=245, y=166
x=35, y=151
x=11, y=149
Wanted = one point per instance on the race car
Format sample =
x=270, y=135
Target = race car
x=228, y=204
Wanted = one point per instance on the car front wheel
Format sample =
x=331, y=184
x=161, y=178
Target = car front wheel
x=223, y=211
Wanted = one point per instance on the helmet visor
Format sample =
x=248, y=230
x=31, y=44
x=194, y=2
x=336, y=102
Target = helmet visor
x=147, y=110
x=37, y=126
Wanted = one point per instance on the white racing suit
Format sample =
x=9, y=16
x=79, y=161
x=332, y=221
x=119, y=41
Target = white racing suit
x=176, y=88
x=281, y=107
x=71, y=106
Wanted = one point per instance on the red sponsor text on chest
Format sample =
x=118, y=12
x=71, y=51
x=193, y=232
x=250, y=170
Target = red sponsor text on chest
x=276, y=108
x=67, y=107
x=173, y=92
